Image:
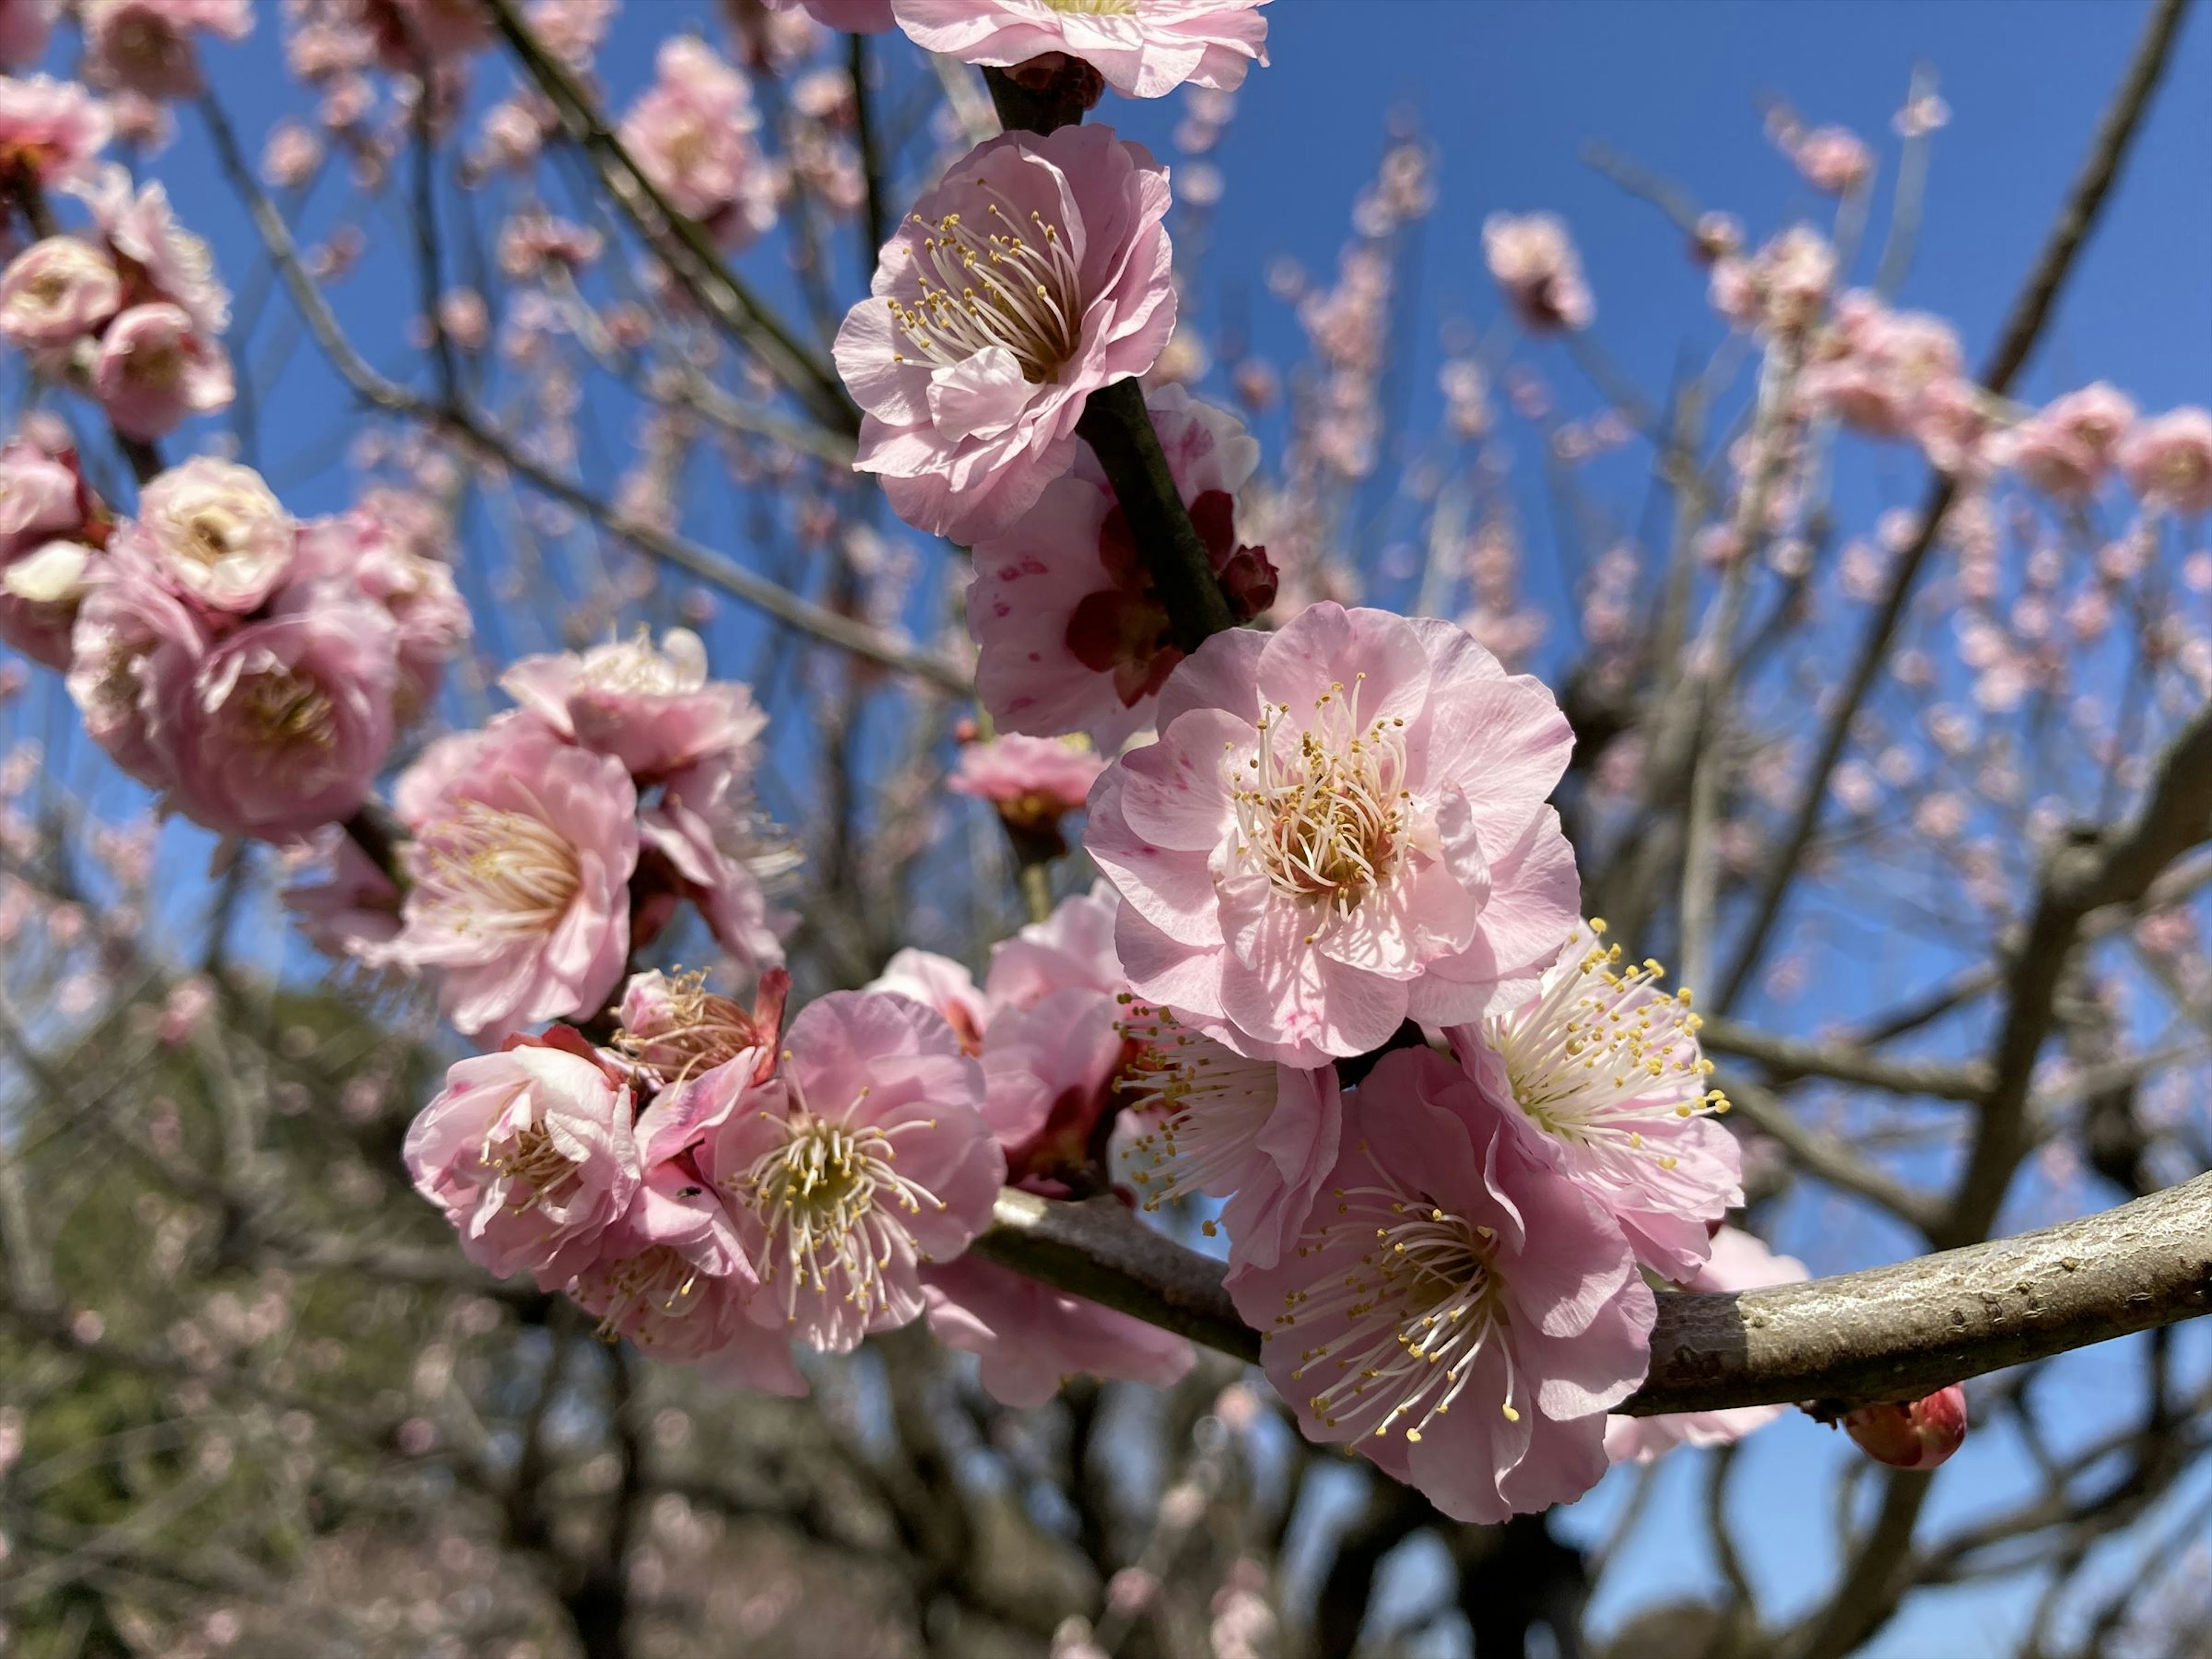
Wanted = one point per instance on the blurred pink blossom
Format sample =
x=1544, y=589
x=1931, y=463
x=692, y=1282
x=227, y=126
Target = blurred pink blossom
x=691, y=134
x=653, y=708
x=55, y=292
x=1532, y=259
x=50, y=131
x=2168, y=460
x=1143, y=51
x=155, y=370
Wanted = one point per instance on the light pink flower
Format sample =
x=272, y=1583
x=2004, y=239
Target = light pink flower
x=353, y=912
x=703, y=840
x=146, y=45
x=1453, y=1270
x=1832, y=160
x=1073, y=947
x=1341, y=826
x=1031, y=1339
x=1602, y=1075
x=1532, y=258
x=39, y=496
x=676, y=1029
x=2066, y=448
x=216, y=534
x=40, y=591
x=1918, y=1435
x=57, y=292
x=1739, y=1261
x=50, y=131
x=2168, y=460
x=1144, y=50
x=165, y=258
x=852, y=16
x=25, y=26
x=361, y=552
x=1781, y=289
x=972, y=399
x=520, y=864
x=655, y=710
x=130, y=634
x=155, y=370
x=285, y=725
x=1033, y=782
x=878, y=1163
x=942, y=986
x=690, y=133
x=1049, y=1070
x=1069, y=634
x=529, y=1152
x=1878, y=371
x=1263, y=1136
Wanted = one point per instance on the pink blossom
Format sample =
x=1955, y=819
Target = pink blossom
x=1880, y=366
x=57, y=292
x=1263, y=1136
x=1031, y=1338
x=972, y=402
x=132, y=634
x=529, y=1152
x=155, y=370
x=146, y=45
x=2168, y=460
x=675, y=1028
x=1144, y=50
x=1916, y=1435
x=1739, y=1261
x=1033, y=782
x=216, y=534
x=165, y=261
x=2065, y=449
x=520, y=864
x=1072, y=947
x=1050, y=1069
x=39, y=495
x=1602, y=1075
x=417, y=590
x=25, y=26
x=1832, y=160
x=690, y=133
x=865, y=1157
x=1070, y=635
x=1532, y=259
x=353, y=912
x=942, y=986
x=1341, y=826
x=653, y=710
x=1453, y=1270
x=50, y=131
x=40, y=591
x=851, y=16
x=285, y=726
x=703, y=840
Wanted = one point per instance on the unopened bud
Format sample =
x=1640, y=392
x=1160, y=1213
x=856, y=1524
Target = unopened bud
x=1916, y=1435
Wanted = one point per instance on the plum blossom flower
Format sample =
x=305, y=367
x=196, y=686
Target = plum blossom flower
x=1072, y=946
x=1144, y=48
x=1261, y=1135
x=40, y=591
x=703, y=840
x=1834, y=161
x=1739, y=1261
x=1036, y=273
x=216, y=534
x=285, y=726
x=1031, y=1339
x=519, y=867
x=146, y=46
x=1919, y=1434
x=675, y=1027
x=653, y=709
x=1532, y=258
x=164, y=260
x=1034, y=782
x=1070, y=635
x=942, y=986
x=55, y=292
x=352, y=912
x=128, y=626
x=1462, y=1314
x=690, y=133
x=1603, y=1074
x=530, y=1153
x=2168, y=460
x=155, y=370
x=865, y=1157
x=1341, y=826
x=50, y=131
x=1876, y=373
x=2066, y=448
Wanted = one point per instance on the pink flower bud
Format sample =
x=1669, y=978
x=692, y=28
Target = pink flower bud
x=1918, y=1435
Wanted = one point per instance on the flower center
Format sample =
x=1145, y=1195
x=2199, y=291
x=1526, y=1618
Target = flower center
x=1419, y=1306
x=1208, y=1104
x=634, y=666
x=699, y=1031
x=1000, y=289
x=495, y=875
x=286, y=713
x=1324, y=817
x=530, y=1162
x=1600, y=1054
x=659, y=1281
x=831, y=1204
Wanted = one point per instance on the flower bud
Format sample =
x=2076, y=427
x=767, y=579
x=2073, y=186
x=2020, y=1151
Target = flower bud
x=1919, y=1434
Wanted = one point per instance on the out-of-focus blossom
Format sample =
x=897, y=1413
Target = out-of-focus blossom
x=973, y=384
x=1781, y=289
x=520, y=867
x=2168, y=460
x=1144, y=50
x=1896, y=374
x=2066, y=448
x=1461, y=1315
x=1342, y=826
x=1602, y=1073
x=155, y=369
x=352, y=912
x=165, y=260
x=1033, y=782
x=1532, y=258
x=1918, y=1435
x=283, y=727
x=25, y=27
x=146, y=46
x=215, y=533
x=530, y=1153
x=1739, y=1261
x=130, y=626
x=653, y=709
x=363, y=551
x=50, y=131
x=40, y=591
x=691, y=134
x=1031, y=1338
x=57, y=292
x=290, y=157
x=1832, y=160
